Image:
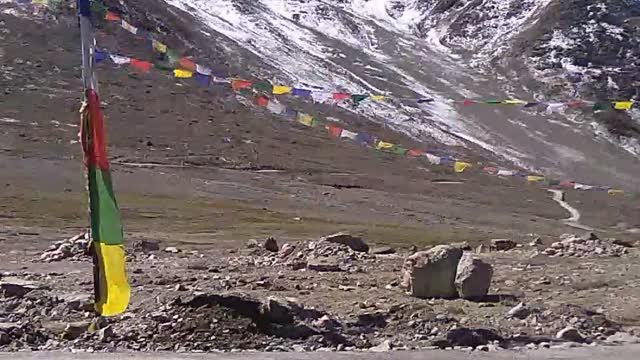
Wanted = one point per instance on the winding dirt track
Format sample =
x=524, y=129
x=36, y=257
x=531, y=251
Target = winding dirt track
x=574, y=220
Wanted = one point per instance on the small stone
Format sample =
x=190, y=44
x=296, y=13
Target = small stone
x=537, y=241
x=622, y=338
x=4, y=338
x=472, y=337
x=271, y=245
x=74, y=330
x=105, y=334
x=502, y=244
x=15, y=288
x=520, y=311
x=589, y=236
x=570, y=334
x=172, y=250
x=286, y=250
x=147, y=245
x=179, y=287
x=252, y=243
x=382, y=347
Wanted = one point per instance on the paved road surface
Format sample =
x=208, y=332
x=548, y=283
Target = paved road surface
x=627, y=352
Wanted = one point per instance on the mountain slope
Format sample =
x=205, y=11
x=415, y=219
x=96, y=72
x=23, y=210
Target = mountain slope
x=444, y=50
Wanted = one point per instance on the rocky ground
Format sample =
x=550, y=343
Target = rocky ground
x=322, y=296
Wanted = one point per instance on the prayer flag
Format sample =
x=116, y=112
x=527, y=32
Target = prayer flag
x=493, y=102
x=112, y=288
x=575, y=103
x=262, y=100
x=120, y=60
x=381, y=145
x=111, y=16
x=622, y=105
x=601, y=107
x=158, y=46
x=202, y=80
x=281, y=90
x=130, y=28
x=513, y=102
x=490, y=170
x=555, y=108
x=422, y=101
x=435, y=160
x=238, y=84
x=320, y=96
x=141, y=65
x=305, y=119
x=503, y=172
x=100, y=56
x=460, y=166
x=300, y=92
x=578, y=186
x=182, y=74
x=365, y=139
x=615, y=192
x=399, y=150
x=531, y=104
x=203, y=70
x=377, y=97
x=275, y=107
x=535, y=178
x=340, y=96
x=334, y=131
x=567, y=184
x=263, y=86
x=187, y=64
x=468, y=102
x=357, y=99
x=346, y=134
x=415, y=153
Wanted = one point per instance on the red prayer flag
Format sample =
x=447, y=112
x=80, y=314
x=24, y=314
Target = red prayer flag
x=111, y=16
x=341, y=96
x=575, y=103
x=187, y=64
x=415, y=153
x=334, y=131
x=141, y=65
x=240, y=84
x=567, y=184
x=95, y=151
x=262, y=100
x=468, y=102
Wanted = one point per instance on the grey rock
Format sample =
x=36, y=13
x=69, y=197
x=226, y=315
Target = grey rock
x=590, y=236
x=147, y=245
x=172, y=250
x=273, y=311
x=473, y=277
x=74, y=330
x=382, y=347
x=271, y=245
x=355, y=243
x=286, y=250
x=105, y=334
x=570, y=334
x=520, y=311
x=472, y=337
x=502, y=244
x=382, y=250
x=622, y=338
x=252, y=243
x=4, y=338
x=15, y=288
x=432, y=273
x=330, y=264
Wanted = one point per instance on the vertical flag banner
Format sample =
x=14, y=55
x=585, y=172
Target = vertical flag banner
x=112, y=291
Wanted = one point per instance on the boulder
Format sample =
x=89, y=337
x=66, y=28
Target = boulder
x=570, y=334
x=355, y=243
x=502, y=244
x=271, y=245
x=384, y=346
x=15, y=288
x=472, y=337
x=4, y=338
x=432, y=273
x=473, y=277
x=147, y=245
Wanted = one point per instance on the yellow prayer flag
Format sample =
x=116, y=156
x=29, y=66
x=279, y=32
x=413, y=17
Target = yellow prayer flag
x=615, y=192
x=622, y=105
x=305, y=119
x=159, y=47
x=460, y=166
x=513, y=102
x=182, y=74
x=377, y=97
x=281, y=90
x=381, y=145
x=533, y=178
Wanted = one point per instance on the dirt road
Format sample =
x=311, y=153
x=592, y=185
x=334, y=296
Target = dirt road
x=628, y=352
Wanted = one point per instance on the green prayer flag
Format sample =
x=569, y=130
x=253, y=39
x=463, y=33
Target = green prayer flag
x=358, y=98
x=263, y=86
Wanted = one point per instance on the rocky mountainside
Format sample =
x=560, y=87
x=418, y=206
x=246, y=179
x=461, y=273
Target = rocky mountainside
x=543, y=50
